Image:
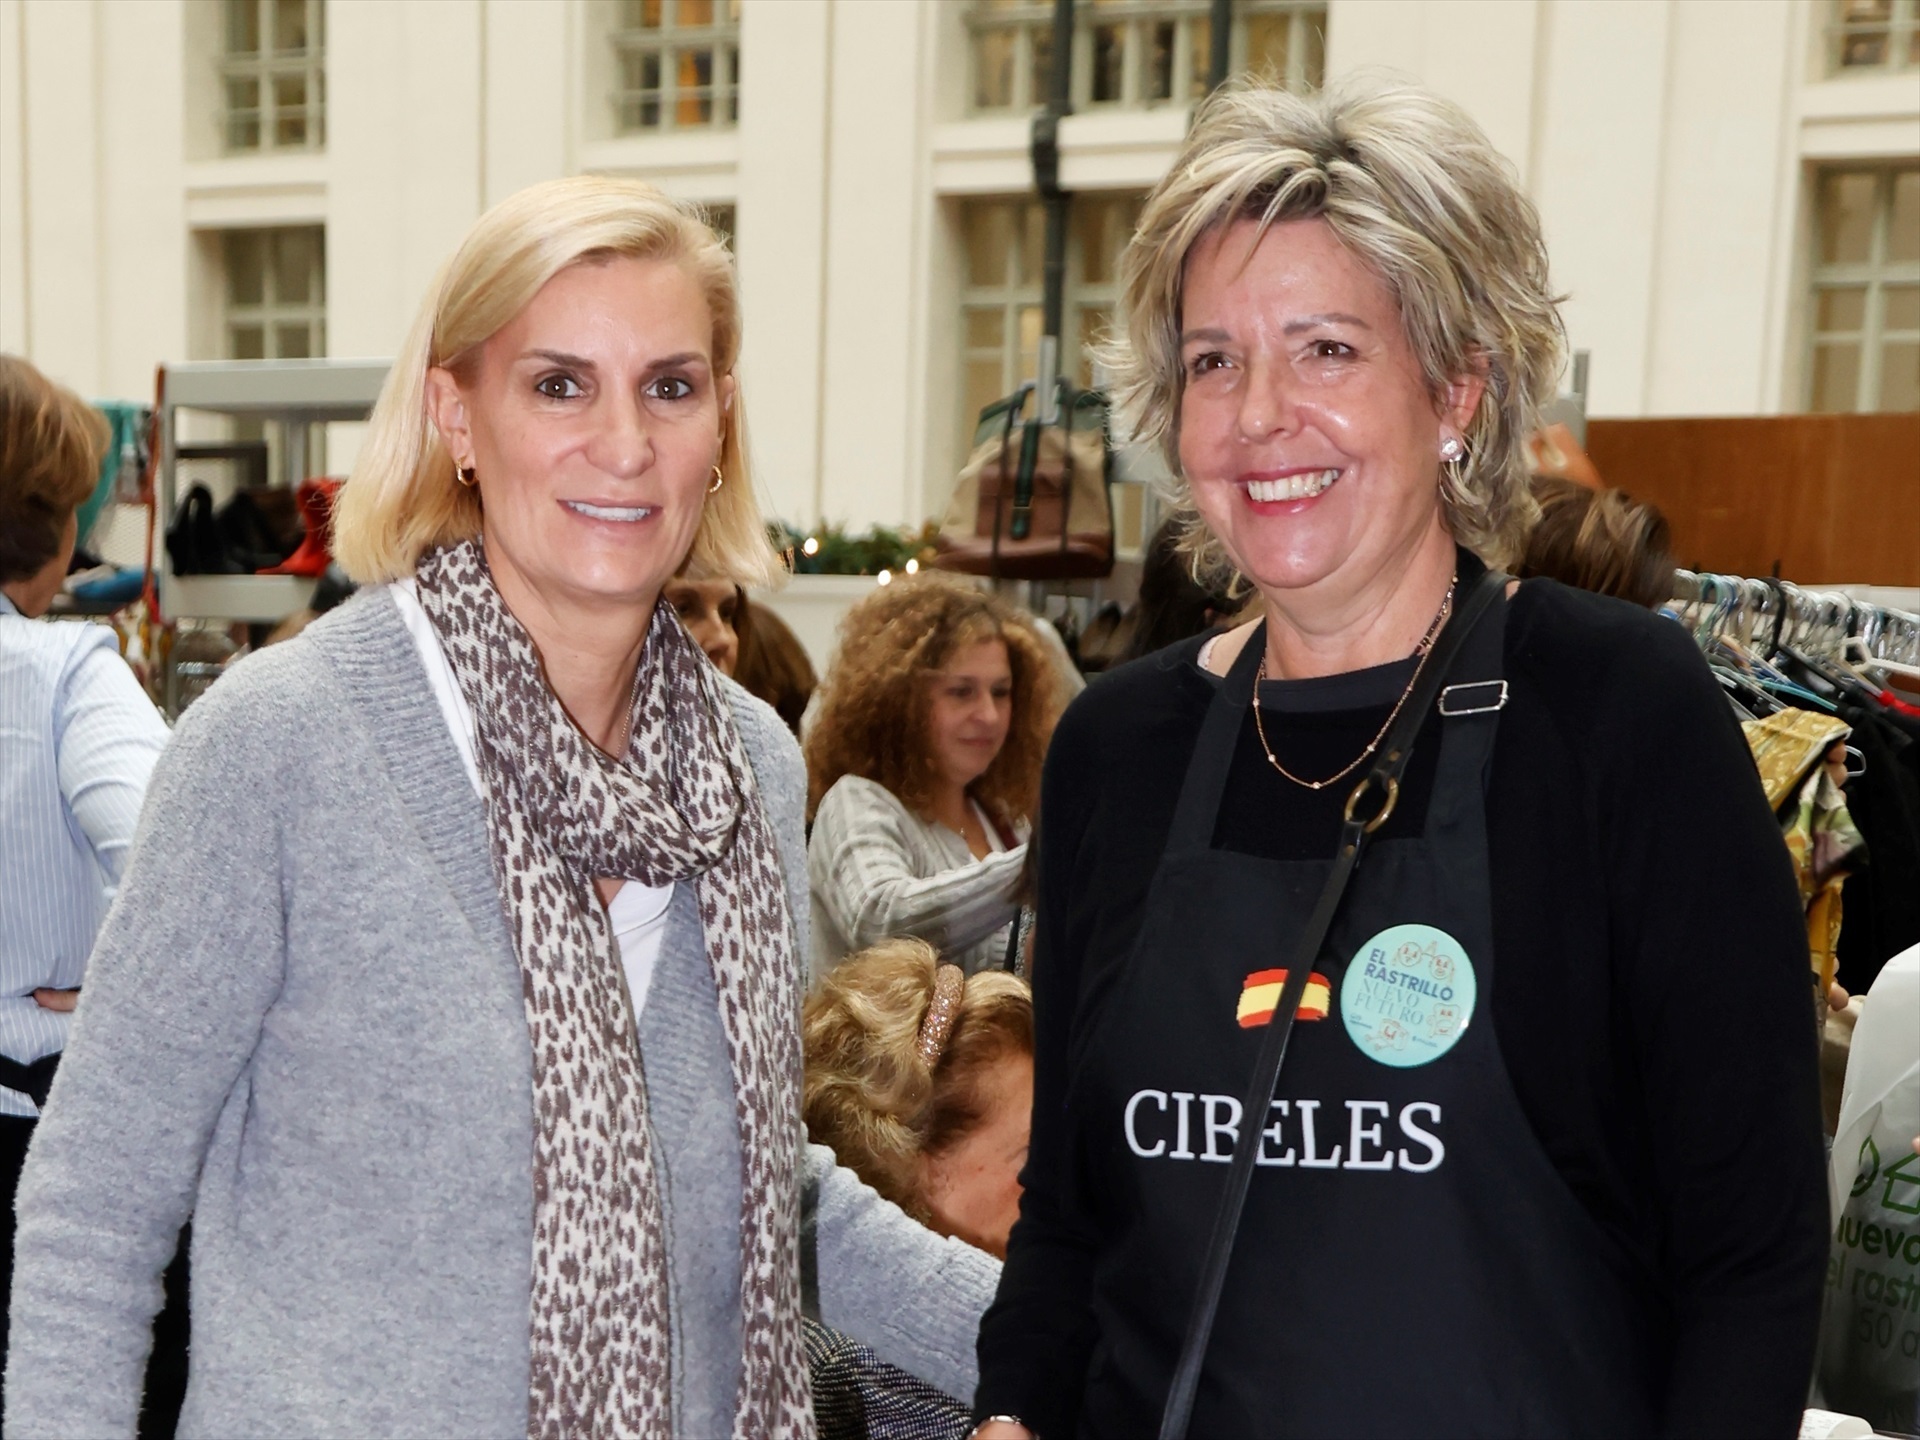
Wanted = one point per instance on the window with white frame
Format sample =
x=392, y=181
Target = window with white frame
x=1000, y=306
x=276, y=293
x=1872, y=35
x=676, y=65
x=273, y=75
x=1138, y=52
x=1865, y=330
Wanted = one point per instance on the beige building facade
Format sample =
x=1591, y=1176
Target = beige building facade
x=1731, y=188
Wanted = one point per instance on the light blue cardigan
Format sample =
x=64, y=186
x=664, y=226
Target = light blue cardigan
x=303, y=1027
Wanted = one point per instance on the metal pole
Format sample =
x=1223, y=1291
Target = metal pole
x=1219, y=43
x=1058, y=203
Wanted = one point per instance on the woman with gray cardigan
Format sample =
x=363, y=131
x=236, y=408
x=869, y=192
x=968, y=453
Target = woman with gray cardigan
x=453, y=985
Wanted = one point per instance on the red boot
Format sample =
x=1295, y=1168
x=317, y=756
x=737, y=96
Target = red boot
x=316, y=510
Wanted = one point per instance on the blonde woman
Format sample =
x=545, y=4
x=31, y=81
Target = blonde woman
x=454, y=983
x=920, y=1079
x=1544, y=1154
x=923, y=767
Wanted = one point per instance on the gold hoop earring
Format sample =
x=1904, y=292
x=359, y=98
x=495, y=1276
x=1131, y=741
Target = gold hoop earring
x=719, y=479
x=463, y=478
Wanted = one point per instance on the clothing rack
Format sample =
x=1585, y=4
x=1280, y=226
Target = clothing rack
x=1771, y=613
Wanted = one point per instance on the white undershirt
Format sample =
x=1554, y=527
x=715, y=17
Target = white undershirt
x=638, y=913
x=995, y=845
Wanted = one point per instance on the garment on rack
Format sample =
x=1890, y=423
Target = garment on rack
x=1883, y=896
x=1792, y=749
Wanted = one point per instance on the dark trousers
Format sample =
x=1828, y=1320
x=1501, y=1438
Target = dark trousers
x=167, y=1364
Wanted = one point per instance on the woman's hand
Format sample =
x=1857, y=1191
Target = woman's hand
x=61, y=1000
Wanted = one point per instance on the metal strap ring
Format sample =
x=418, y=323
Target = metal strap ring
x=1393, y=798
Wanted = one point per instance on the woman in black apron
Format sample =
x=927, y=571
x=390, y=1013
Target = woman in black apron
x=1418, y=830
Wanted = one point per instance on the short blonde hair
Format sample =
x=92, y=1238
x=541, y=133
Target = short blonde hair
x=869, y=1096
x=402, y=499
x=1411, y=186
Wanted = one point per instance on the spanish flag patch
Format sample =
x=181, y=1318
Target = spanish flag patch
x=1260, y=992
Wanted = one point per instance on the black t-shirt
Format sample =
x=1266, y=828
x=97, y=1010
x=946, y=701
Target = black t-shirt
x=1653, y=1006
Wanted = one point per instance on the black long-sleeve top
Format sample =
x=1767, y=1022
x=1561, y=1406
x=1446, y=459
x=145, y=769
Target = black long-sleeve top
x=1653, y=1004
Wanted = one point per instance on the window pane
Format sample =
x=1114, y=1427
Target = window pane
x=1040, y=46
x=1836, y=378
x=243, y=27
x=1033, y=244
x=989, y=228
x=1313, y=33
x=985, y=329
x=1840, y=310
x=1157, y=78
x=1902, y=310
x=1267, y=37
x=1903, y=226
x=289, y=24
x=993, y=69
x=694, y=12
x=292, y=342
x=1101, y=226
x=243, y=113
x=640, y=14
x=1109, y=61
x=246, y=267
x=246, y=342
x=984, y=385
x=693, y=79
x=1863, y=48
x=1846, y=218
x=1900, y=376
x=296, y=265
x=1199, y=55
x=290, y=109
x=1094, y=320
x=1031, y=323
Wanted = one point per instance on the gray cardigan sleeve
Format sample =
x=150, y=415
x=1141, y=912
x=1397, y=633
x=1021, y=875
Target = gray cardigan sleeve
x=185, y=968
x=860, y=861
x=915, y=1297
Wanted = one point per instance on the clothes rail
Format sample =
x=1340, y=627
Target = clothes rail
x=1776, y=613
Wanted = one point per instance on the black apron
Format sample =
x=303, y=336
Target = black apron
x=1409, y=1261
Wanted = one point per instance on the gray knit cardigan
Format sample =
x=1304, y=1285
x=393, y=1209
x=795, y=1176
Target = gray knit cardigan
x=302, y=1026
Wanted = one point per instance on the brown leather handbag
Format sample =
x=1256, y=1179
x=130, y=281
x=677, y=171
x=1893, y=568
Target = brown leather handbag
x=1033, y=501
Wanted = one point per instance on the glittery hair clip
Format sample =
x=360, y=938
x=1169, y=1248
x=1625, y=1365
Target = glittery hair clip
x=949, y=986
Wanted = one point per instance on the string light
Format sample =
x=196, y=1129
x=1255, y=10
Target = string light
x=885, y=577
x=913, y=567
x=811, y=546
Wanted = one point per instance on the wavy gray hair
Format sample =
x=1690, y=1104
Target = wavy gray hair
x=1412, y=186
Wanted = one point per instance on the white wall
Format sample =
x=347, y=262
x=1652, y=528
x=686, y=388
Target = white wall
x=1667, y=142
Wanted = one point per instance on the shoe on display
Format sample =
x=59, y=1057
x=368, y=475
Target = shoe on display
x=316, y=509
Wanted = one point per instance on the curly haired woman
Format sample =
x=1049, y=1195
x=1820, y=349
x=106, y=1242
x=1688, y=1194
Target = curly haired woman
x=923, y=767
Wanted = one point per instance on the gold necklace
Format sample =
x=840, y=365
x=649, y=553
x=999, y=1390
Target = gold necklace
x=1423, y=650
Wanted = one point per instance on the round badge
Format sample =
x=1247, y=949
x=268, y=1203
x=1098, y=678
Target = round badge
x=1408, y=995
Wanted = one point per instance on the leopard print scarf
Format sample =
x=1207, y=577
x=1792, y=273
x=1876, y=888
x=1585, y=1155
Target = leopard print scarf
x=680, y=806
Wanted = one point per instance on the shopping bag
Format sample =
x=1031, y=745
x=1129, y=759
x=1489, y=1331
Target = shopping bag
x=1870, y=1330
x=1033, y=501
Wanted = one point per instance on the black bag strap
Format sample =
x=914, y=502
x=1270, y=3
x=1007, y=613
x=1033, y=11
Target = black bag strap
x=1362, y=819
x=1015, y=405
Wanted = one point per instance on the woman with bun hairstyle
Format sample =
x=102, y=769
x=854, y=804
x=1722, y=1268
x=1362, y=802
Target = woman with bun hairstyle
x=920, y=1079
x=923, y=771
